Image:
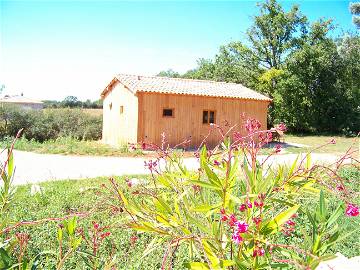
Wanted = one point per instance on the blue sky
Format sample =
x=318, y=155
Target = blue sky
x=52, y=49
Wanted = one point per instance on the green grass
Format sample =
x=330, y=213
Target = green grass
x=63, y=197
x=71, y=146
x=311, y=141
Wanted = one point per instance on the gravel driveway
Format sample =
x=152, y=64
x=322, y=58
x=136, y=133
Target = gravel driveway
x=32, y=167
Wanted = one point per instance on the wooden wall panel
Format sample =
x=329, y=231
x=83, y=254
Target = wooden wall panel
x=187, y=122
x=120, y=128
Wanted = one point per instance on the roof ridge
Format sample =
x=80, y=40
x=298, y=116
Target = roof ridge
x=180, y=79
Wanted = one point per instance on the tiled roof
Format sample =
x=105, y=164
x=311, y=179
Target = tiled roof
x=186, y=87
x=19, y=99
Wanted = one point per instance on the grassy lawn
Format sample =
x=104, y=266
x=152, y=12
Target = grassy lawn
x=63, y=197
x=69, y=146
x=60, y=198
x=311, y=142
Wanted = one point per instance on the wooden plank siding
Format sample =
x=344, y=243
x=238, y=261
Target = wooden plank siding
x=120, y=128
x=187, y=120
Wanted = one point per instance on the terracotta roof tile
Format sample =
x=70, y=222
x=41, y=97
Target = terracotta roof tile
x=187, y=87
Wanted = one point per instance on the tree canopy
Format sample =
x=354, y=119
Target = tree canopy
x=311, y=75
x=355, y=10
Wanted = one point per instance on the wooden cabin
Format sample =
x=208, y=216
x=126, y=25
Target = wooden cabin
x=141, y=108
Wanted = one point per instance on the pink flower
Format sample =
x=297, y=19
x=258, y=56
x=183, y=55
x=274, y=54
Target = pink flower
x=129, y=183
x=258, y=252
x=241, y=226
x=232, y=220
x=104, y=235
x=96, y=225
x=257, y=220
x=252, y=125
x=352, y=210
x=242, y=207
x=290, y=222
x=248, y=203
x=216, y=163
x=133, y=239
x=277, y=148
x=236, y=237
x=222, y=211
x=340, y=187
x=196, y=188
x=259, y=204
x=281, y=127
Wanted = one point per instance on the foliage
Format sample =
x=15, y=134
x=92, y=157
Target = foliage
x=169, y=73
x=73, y=102
x=278, y=51
x=317, y=95
x=231, y=212
x=42, y=125
x=355, y=10
x=71, y=146
x=234, y=213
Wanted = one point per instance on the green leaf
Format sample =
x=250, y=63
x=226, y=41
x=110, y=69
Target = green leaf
x=293, y=166
x=206, y=207
x=60, y=234
x=215, y=261
x=322, y=206
x=10, y=166
x=335, y=216
x=197, y=266
x=274, y=225
x=206, y=185
x=5, y=259
x=308, y=161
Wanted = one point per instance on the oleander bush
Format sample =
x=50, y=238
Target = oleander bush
x=234, y=212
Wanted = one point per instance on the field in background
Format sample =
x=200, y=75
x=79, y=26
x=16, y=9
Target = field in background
x=93, y=112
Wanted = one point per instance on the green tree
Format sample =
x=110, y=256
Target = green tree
x=169, y=73
x=275, y=33
x=355, y=10
x=312, y=96
x=71, y=102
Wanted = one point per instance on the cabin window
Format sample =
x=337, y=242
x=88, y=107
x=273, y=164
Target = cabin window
x=208, y=117
x=110, y=105
x=121, y=109
x=168, y=113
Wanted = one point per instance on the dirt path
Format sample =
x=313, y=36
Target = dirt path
x=33, y=168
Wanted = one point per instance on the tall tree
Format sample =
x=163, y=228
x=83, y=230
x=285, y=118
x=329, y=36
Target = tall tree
x=355, y=10
x=275, y=33
x=312, y=96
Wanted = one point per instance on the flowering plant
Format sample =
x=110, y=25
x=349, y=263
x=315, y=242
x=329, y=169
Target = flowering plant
x=231, y=212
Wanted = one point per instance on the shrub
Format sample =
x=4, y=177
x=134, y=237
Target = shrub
x=49, y=124
x=236, y=212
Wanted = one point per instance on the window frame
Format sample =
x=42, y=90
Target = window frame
x=208, y=113
x=168, y=116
